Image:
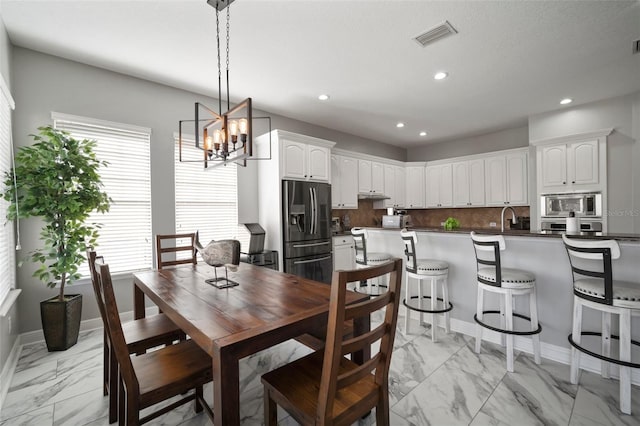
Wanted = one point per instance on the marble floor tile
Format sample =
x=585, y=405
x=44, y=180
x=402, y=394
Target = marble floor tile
x=40, y=416
x=82, y=409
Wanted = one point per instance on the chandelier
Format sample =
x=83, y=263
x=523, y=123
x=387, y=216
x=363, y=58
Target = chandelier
x=223, y=137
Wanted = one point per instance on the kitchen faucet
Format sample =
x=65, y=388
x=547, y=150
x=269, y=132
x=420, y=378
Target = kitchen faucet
x=514, y=220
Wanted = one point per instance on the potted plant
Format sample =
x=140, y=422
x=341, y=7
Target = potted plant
x=57, y=180
x=451, y=223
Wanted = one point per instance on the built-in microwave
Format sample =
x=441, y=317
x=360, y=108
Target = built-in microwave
x=583, y=204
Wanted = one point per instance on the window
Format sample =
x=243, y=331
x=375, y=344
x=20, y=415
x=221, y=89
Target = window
x=125, y=237
x=207, y=200
x=7, y=243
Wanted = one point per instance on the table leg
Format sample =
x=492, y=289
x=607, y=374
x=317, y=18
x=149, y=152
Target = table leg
x=138, y=303
x=226, y=389
x=362, y=325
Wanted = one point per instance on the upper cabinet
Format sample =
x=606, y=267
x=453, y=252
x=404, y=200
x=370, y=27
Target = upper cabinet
x=394, y=184
x=344, y=182
x=414, y=188
x=567, y=167
x=370, y=177
x=302, y=161
x=468, y=183
x=506, y=179
x=439, y=186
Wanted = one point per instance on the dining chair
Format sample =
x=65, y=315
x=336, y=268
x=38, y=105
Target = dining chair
x=139, y=335
x=165, y=250
x=156, y=376
x=327, y=388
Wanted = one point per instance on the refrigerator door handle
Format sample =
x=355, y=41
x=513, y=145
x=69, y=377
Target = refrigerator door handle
x=298, y=262
x=311, y=245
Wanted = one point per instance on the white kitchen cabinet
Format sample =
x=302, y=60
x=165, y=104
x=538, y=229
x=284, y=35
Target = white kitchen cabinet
x=439, y=186
x=344, y=182
x=301, y=161
x=567, y=167
x=344, y=256
x=415, y=182
x=394, y=181
x=468, y=183
x=370, y=177
x=506, y=180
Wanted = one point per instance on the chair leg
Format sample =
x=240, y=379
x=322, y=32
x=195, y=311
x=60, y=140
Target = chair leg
x=420, y=300
x=434, y=305
x=270, y=409
x=533, y=312
x=576, y=336
x=382, y=409
x=122, y=403
x=479, y=309
x=199, y=396
x=133, y=410
x=503, y=322
x=445, y=299
x=508, y=299
x=114, y=380
x=625, y=355
x=407, y=297
x=606, y=343
x=105, y=366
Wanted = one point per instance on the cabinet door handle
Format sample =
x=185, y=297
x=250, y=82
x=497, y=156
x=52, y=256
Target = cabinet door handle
x=564, y=183
x=573, y=181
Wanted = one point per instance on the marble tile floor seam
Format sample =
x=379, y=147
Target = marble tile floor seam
x=443, y=383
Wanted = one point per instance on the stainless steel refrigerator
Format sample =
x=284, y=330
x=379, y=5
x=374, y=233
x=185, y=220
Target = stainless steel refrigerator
x=306, y=220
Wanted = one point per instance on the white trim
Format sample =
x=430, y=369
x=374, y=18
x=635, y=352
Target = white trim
x=8, y=369
x=97, y=122
x=8, y=302
x=573, y=137
x=4, y=89
x=362, y=156
x=278, y=134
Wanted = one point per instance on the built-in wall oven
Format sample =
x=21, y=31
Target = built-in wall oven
x=556, y=208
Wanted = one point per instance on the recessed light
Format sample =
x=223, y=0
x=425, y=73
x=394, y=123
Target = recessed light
x=323, y=97
x=399, y=125
x=423, y=133
x=566, y=101
x=440, y=75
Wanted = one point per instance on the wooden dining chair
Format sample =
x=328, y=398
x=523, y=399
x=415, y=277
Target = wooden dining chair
x=139, y=335
x=148, y=379
x=163, y=250
x=326, y=388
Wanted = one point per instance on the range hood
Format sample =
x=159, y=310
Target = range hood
x=372, y=196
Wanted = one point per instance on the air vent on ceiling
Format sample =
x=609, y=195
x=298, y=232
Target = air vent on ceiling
x=434, y=34
x=636, y=46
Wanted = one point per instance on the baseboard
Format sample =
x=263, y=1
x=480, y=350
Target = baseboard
x=9, y=369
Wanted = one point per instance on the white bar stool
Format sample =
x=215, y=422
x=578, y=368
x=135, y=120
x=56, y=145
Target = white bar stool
x=437, y=271
x=508, y=282
x=595, y=288
x=364, y=259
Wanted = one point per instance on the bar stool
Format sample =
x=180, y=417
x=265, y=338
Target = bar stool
x=365, y=259
x=508, y=282
x=437, y=271
x=595, y=288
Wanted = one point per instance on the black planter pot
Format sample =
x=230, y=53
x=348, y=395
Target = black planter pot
x=61, y=321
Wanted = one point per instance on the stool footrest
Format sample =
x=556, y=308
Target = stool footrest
x=427, y=311
x=600, y=356
x=500, y=330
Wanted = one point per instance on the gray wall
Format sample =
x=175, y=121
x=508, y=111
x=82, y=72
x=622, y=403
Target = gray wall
x=8, y=324
x=46, y=83
x=623, y=175
x=504, y=139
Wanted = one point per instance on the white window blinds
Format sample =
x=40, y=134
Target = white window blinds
x=125, y=237
x=7, y=243
x=207, y=200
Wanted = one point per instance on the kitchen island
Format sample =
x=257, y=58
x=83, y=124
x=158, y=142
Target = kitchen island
x=540, y=252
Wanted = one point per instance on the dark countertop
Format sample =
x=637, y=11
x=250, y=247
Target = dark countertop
x=519, y=233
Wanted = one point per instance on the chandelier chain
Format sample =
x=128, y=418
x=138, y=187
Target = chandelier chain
x=219, y=64
x=228, y=26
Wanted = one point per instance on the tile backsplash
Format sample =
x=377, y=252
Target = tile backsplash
x=475, y=217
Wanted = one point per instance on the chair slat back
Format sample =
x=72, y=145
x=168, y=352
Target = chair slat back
x=114, y=327
x=487, y=249
x=331, y=382
x=410, y=240
x=164, y=247
x=92, y=256
x=360, y=244
x=592, y=259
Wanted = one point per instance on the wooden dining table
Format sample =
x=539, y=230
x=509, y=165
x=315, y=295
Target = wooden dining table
x=266, y=308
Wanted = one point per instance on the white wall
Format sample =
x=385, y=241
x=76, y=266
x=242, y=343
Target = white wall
x=623, y=174
x=45, y=83
x=517, y=137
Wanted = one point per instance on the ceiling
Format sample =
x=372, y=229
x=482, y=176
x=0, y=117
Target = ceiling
x=509, y=59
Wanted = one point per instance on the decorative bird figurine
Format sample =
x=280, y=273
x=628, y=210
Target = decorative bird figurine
x=221, y=253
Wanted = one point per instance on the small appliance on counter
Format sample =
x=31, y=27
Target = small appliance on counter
x=396, y=221
x=255, y=254
x=336, y=228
